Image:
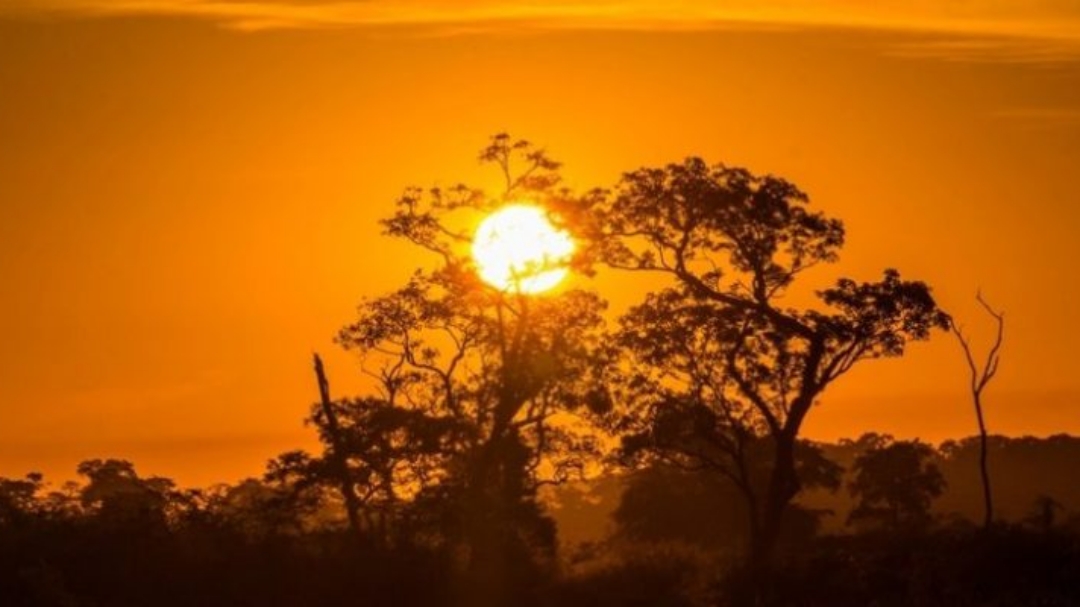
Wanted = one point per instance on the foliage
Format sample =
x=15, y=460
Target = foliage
x=486, y=390
x=895, y=484
x=723, y=369
x=662, y=505
x=115, y=493
x=253, y=543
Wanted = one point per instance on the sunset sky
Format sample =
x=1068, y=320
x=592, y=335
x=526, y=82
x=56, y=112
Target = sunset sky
x=189, y=189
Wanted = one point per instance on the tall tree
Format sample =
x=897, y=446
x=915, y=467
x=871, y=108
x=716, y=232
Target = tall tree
x=980, y=376
x=509, y=368
x=720, y=343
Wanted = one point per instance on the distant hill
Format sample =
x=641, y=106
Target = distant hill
x=1022, y=470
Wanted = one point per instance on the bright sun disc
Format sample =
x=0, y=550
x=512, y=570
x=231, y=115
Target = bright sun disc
x=517, y=249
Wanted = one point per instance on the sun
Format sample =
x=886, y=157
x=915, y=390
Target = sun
x=516, y=248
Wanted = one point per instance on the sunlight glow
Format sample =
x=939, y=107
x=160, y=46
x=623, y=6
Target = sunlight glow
x=518, y=249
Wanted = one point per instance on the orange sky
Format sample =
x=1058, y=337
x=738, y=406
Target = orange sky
x=188, y=210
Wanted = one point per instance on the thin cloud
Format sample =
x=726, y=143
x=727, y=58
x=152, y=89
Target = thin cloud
x=1044, y=19
x=1043, y=118
x=1028, y=50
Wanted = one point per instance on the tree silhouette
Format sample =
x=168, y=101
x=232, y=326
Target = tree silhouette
x=381, y=455
x=116, y=494
x=720, y=344
x=1044, y=513
x=895, y=485
x=427, y=486
x=979, y=379
x=19, y=498
x=509, y=370
x=700, y=507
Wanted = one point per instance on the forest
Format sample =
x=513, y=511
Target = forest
x=519, y=448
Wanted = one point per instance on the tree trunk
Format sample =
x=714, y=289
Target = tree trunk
x=483, y=513
x=500, y=569
x=984, y=470
x=765, y=532
x=980, y=378
x=337, y=452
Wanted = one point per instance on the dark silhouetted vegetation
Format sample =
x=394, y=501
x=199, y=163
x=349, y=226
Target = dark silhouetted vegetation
x=894, y=484
x=516, y=450
x=725, y=369
x=673, y=537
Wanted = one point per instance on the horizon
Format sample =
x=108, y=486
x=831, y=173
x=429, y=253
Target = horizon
x=55, y=481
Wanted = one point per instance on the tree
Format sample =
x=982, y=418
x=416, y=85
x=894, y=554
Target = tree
x=699, y=507
x=508, y=371
x=720, y=344
x=116, y=494
x=1044, y=513
x=259, y=510
x=980, y=377
x=895, y=484
x=19, y=498
x=376, y=458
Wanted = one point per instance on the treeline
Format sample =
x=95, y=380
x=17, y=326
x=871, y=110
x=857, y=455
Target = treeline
x=117, y=538
x=655, y=536
x=1030, y=474
x=1036, y=487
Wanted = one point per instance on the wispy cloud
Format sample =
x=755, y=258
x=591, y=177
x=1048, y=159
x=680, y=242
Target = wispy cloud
x=988, y=48
x=1043, y=118
x=1045, y=19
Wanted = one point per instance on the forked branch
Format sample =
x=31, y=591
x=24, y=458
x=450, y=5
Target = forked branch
x=980, y=378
